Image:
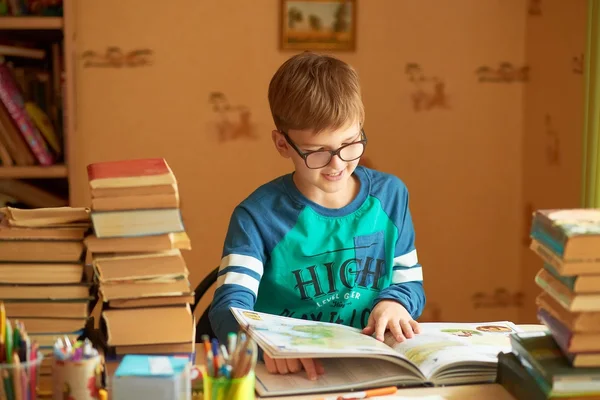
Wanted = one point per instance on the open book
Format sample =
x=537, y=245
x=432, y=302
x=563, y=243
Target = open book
x=442, y=354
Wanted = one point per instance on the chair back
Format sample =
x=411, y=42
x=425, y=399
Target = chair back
x=203, y=326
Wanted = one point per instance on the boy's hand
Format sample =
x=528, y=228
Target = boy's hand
x=389, y=314
x=284, y=366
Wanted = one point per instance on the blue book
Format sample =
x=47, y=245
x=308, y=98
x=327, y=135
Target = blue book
x=145, y=377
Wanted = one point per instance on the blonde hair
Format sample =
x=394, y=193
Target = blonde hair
x=317, y=92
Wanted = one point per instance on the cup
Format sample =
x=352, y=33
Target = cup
x=77, y=379
x=20, y=380
x=222, y=388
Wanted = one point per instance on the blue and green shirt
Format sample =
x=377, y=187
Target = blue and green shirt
x=287, y=255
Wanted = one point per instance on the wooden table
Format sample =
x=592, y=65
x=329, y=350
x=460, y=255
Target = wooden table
x=491, y=391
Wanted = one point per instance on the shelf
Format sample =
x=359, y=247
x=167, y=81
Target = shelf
x=31, y=23
x=54, y=171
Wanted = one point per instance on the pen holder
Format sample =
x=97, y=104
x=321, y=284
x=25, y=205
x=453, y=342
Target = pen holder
x=229, y=389
x=19, y=381
x=76, y=379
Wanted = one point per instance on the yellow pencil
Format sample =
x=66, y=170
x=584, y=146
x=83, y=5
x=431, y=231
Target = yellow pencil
x=2, y=321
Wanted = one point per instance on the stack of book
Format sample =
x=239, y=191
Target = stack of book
x=136, y=255
x=42, y=282
x=564, y=359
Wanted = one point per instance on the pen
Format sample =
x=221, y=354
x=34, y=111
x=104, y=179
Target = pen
x=208, y=355
x=224, y=352
x=217, y=358
x=384, y=391
x=231, y=342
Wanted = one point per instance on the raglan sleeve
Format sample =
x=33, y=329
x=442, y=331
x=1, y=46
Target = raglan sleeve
x=407, y=274
x=240, y=272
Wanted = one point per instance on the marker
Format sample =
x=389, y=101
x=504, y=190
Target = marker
x=231, y=342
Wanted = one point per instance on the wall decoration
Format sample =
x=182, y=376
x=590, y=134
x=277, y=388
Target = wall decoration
x=499, y=298
x=115, y=57
x=577, y=64
x=534, y=8
x=428, y=92
x=234, y=121
x=552, y=142
x=318, y=24
x=505, y=73
x=528, y=218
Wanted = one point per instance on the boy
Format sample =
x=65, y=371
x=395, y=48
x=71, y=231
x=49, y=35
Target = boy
x=332, y=241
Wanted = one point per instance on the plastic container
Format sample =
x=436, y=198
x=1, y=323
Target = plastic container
x=19, y=381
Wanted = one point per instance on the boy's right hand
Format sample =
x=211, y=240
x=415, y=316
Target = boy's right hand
x=284, y=366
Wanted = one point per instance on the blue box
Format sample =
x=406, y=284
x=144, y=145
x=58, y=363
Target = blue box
x=145, y=377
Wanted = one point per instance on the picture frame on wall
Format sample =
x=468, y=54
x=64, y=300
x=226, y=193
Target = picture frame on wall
x=318, y=25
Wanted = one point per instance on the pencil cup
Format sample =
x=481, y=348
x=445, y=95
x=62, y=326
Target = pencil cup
x=229, y=389
x=19, y=380
x=76, y=379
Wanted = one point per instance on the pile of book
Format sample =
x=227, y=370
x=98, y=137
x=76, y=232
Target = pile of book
x=135, y=250
x=42, y=280
x=563, y=360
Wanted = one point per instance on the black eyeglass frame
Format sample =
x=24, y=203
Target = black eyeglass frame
x=332, y=153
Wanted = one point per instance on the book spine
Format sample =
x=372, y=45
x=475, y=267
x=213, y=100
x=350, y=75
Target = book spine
x=543, y=231
x=12, y=99
x=568, y=281
x=561, y=334
x=516, y=380
x=555, y=289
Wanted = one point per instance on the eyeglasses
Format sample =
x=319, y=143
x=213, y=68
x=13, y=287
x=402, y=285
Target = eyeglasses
x=321, y=158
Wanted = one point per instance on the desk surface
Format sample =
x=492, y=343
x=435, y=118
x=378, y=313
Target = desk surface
x=487, y=392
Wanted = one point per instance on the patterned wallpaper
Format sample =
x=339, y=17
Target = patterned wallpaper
x=476, y=106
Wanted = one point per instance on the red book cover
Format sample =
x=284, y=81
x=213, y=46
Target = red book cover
x=128, y=168
x=14, y=103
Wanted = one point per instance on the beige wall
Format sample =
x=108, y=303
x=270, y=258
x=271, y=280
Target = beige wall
x=463, y=163
x=553, y=122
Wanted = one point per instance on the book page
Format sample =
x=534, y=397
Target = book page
x=340, y=375
x=291, y=337
x=440, y=345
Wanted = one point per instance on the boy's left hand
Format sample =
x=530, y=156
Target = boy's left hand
x=389, y=314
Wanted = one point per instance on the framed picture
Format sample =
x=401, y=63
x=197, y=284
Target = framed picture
x=318, y=25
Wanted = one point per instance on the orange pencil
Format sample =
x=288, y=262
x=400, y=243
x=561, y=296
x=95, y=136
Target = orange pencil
x=384, y=391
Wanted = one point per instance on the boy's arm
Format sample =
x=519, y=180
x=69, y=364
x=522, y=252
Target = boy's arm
x=407, y=274
x=240, y=273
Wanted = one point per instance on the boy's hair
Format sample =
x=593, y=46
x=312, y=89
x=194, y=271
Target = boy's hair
x=317, y=92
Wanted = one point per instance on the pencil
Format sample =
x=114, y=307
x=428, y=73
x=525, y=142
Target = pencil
x=33, y=368
x=7, y=385
x=18, y=389
x=2, y=391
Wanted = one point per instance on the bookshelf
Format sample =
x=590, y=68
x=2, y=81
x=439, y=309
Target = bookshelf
x=43, y=31
x=53, y=171
x=31, y=23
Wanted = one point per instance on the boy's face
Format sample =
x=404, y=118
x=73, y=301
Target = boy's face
x=331, y=178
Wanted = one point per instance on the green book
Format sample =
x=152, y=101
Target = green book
x=541, y=356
